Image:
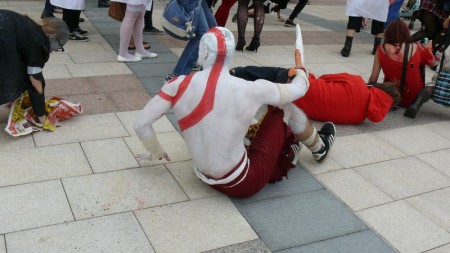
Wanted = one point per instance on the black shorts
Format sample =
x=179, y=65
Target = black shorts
x=354, y=23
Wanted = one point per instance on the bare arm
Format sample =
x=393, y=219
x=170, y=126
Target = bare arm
x=154, y=109
x=376, y=68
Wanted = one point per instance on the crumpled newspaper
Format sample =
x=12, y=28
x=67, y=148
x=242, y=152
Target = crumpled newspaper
x=23, y=121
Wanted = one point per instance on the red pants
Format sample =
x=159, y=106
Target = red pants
x=267, y=155
x=223, y=11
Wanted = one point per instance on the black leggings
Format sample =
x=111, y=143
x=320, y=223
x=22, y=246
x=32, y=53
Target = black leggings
x=243, y=17
x=72, y=18
x=432, y=27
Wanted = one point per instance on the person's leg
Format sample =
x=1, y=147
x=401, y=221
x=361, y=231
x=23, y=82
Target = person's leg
x=242, y=19
x=132, y=14
x=319, y=142
x=353, y=26
x=423, y=96
x=223, y=11
x=266, y=155
x=297, y=9
x=377, y=30
x=188, y=58
x=252, y=73
x=48, y=10
x=71, y=17
x=148, y=23
x=429, y=21
x=258, y=25
x=138, y=36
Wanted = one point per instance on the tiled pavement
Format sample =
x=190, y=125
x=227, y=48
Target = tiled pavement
x=385, y=187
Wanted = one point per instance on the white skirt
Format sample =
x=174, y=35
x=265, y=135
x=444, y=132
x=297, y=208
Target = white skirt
x=69, y=4
x=374, y=9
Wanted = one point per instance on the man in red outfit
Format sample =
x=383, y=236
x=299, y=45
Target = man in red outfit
x=340, y=98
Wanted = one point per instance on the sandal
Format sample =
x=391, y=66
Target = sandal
x=146, y=46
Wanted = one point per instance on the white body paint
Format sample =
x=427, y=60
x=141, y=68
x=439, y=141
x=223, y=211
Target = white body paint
x=216, y=142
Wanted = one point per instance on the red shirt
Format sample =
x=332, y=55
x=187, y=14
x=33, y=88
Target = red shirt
x=393, y=71
x=343, y=99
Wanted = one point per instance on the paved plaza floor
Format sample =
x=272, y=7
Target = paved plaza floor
x=384, y=188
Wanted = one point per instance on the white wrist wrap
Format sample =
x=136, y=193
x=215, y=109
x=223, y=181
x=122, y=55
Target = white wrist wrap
x=152, y=145
x=303, y=74
x=33, y=70
x=284, y=94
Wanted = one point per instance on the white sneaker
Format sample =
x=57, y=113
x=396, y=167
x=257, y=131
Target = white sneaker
x=147, y=55
x=134, y=59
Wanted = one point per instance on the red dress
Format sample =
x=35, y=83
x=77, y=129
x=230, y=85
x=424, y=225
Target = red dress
x=393, y=71
x=343, y=99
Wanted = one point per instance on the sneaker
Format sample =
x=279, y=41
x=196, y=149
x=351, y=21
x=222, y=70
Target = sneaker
x=326, y=133
x=294, y=152
x=78, y=37
x=169, y=77
x=197, y=67
x=153, y=30
x=82, y=32
x=289, y=23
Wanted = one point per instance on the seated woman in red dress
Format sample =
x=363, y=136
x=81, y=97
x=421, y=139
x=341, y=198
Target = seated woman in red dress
x=389, y=58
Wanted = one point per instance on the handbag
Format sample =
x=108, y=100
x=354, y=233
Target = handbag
x=117, y=10
x=178, y=23
x=441, y=92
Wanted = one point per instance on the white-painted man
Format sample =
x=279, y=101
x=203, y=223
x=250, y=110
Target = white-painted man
x=214, y=111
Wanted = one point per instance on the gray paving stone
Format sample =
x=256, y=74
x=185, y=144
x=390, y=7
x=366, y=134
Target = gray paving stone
x=404, y=177
x=404, y=227
x=110, y=234
x=195, y=226
x=353, y=189
x=291, y=221
x=160, y=48
x=366, y=241
x=299, y=181
x=163, y=57
x=184, y=174
x=438, y=160
x=83, y=128
x=153, y=84
x=255, y=246
x=120, y=191
x=145, y=70
x=406, y=139
x=443, y=249
x=9, y=143
x=2, y=244
x=33, y=205
x=42, y=164
x=109, y=155
x=435, y=205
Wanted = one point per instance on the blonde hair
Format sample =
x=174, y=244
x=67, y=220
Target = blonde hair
x=55, y=26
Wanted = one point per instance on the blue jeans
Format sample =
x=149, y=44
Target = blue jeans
x=190, y=53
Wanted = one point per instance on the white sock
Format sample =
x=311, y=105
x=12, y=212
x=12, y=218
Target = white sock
x=314, y=142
